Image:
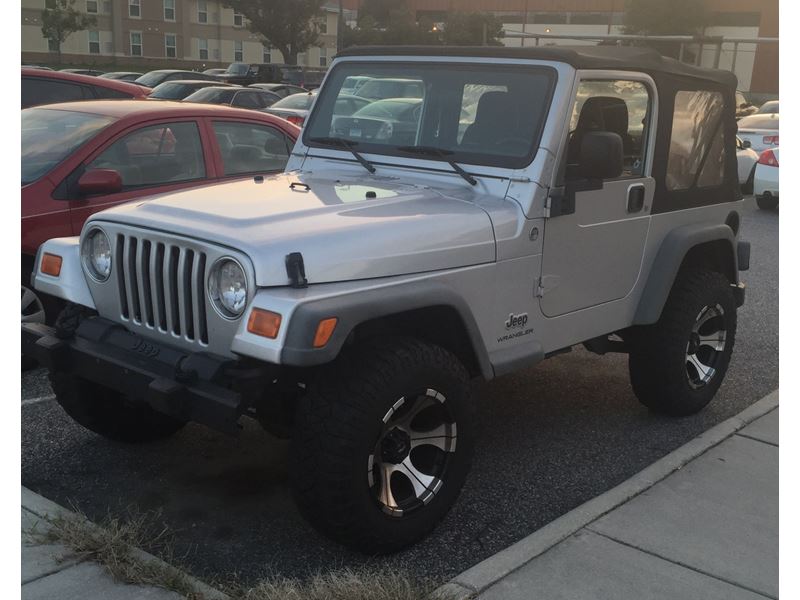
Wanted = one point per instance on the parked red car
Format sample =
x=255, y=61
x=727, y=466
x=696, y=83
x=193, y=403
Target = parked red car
x=46, y=87
x=80, y=158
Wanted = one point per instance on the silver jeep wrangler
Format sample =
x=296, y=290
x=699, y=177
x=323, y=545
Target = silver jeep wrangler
x=514, y=202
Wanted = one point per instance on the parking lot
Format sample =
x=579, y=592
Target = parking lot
x=553, y=437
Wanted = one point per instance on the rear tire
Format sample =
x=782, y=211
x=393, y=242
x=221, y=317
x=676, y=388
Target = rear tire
x=677, y=364
x=375, y=464
x=767, y=202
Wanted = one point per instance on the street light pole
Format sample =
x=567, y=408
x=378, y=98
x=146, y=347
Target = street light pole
x=340, y=28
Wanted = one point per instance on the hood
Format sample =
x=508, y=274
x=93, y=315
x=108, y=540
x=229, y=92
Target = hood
x=345, y=229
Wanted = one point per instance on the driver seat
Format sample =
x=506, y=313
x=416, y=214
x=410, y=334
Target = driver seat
x=496, y=118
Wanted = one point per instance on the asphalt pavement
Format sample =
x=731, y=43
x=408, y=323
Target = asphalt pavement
x=553, y=437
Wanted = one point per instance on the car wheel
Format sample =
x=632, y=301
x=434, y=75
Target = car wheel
x=677, y=365
x=767, y=202
x=375, y=463
x=32, y=312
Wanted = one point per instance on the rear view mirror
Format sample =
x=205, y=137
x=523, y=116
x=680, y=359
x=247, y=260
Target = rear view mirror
x=600, y=155
x=100, y=181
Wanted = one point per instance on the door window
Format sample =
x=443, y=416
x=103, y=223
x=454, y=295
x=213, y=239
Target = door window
x=616, y=106
x=246, y=100
x=42, y=91
x=156, y=155
x=251, y=148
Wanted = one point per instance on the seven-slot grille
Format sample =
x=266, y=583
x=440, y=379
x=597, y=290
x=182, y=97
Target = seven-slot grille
x=162, y=286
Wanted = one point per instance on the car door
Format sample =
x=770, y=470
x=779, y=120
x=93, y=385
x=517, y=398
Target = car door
x=593, y=254
x=249, y=147
x=151, y=158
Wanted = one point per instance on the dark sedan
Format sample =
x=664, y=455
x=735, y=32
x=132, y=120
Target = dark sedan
x=121, y=75
x=180, y=89
x=234, y=96
x=394, y=119
x=154, y=78
x=282, y=89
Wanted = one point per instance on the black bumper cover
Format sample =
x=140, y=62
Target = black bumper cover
x=197, y=387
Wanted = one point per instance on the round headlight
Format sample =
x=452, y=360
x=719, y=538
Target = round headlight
x=97, y=254
x=227, y=288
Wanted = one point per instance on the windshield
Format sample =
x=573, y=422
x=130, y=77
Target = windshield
x=769, y=108
x=211, y=95
x=295, y=101
x=49, y=136
x=171, y=90
x=238, y=69
x=478, y=114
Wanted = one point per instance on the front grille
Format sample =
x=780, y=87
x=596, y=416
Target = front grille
x=162, y=286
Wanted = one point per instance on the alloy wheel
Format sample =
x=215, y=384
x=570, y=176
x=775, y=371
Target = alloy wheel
x=706, y=345
x=32, y=307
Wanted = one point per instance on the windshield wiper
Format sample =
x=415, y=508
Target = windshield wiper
x=443, y=154
x=347, y=145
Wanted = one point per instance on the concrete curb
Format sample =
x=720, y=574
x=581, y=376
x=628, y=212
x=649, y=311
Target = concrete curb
x=44, y=508
x=479, y=577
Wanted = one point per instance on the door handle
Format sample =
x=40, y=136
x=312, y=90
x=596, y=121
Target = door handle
x=636, y=198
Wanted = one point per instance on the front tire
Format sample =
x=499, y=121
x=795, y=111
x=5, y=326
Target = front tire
x=375, y=463
x=767, y=202
x=677, y=364
x=108, y=412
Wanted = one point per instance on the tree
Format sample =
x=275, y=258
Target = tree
x=60, y=20
x=288, y=25
x=382, y=11
x=657, y=17
x=473, y=29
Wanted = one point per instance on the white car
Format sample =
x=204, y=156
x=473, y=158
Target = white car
x=746, y=159
x=765, y=182
x=760, y=130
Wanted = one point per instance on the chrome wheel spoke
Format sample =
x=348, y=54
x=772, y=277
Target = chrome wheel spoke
x=404, y=422
x=385, y=492
x=421, y=482
x=28, y=297
x=704, y=372
x=440, y=437
x=32, y=310
x=716, y=341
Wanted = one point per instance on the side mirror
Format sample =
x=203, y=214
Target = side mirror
x=747, y=144
x=601, y=155
x=99, y=181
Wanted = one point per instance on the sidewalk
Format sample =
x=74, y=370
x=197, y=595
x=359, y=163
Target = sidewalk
x=51, y=571
x=700, y=523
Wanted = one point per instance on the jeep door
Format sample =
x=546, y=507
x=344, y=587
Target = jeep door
x=593, y=254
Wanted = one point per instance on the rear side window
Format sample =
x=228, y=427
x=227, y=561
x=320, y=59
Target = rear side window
x=155, y=155
x=697, y=144
x=37, y=91
x=251, y=148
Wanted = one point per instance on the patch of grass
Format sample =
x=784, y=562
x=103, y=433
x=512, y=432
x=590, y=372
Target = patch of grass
x=115, y=543
x=342, y=584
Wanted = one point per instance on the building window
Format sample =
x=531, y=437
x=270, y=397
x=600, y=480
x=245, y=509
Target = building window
x=323, y=25
x=301, y=58
x=51, y=4
x=136, y=43
x=52, y=45
x=238, y=19
x=323, y=56
x=94, y=42
x=135, y=9
x=266, y=57
x=171, y=47
x=91, y=7
x=202, y=49
x=238, y=53
x=169, y=10
x=202, y=11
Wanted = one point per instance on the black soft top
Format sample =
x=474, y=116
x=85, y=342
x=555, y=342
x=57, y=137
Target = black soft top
x=626, y=58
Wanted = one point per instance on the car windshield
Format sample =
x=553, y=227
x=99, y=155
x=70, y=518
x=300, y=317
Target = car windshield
x=295, y=101
x=49, y=136
x=152, y=79
x=174, y=90
x=211, y=95
x=238, y=69
x=477, y=114
x=769, y=108
x=758, y=122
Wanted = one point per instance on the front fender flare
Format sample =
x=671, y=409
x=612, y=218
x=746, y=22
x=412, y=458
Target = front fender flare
x=70, y=284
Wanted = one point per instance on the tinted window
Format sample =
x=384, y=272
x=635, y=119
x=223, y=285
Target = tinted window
x=152, y=79
x=102, y=92
x=48, y=91
x=211, y=95
x=49, y=136
x=246, y=100
x=697, y=143
x=155, y=155
x=251, y=148
x=295, y=101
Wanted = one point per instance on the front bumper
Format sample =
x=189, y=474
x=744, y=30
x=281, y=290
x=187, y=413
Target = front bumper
x=199, y=387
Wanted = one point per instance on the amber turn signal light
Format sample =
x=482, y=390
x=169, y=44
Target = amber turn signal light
x=264, y=322
x=51, y=264
x=324, y=331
